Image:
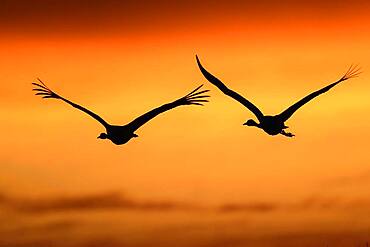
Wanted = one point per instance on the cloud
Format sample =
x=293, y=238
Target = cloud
x=216, y=237
x=262, y=207
x=315, y=202
x=111, y=201
x=117, y=201
x=35, y=232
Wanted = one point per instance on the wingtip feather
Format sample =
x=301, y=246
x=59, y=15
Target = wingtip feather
x=42, y=89
x=196, y=96
x=352, y=72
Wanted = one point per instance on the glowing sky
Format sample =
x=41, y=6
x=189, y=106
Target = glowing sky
x=123, y=59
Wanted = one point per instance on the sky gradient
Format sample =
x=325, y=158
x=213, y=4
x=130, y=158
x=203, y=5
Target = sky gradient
x=195, y=175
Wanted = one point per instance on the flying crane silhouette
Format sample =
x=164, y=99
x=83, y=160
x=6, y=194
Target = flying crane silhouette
x=273, y=125
x=122, y=134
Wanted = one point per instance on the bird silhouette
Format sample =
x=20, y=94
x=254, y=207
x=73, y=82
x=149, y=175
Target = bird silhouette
x=273, y=125
x=122, y=134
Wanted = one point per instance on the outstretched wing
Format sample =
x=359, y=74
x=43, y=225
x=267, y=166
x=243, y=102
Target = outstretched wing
x=45, y=92
x=353, y=71
x=195, y=97
x=212, y=79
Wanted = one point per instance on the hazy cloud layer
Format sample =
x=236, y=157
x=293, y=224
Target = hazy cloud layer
x=117, y=201
x=86, y=202
x=44, y=224
x=218, y=239
x=251, y=207
x=310, y=203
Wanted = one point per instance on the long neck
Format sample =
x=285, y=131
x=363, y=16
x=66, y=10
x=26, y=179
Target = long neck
x=254, y=124
x=258, y=125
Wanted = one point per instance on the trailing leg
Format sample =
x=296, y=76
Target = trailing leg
x=286, y=134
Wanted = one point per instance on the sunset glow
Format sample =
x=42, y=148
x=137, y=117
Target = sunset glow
x=195, y=176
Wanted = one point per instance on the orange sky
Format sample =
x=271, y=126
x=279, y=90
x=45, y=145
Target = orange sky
x=123, y=59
